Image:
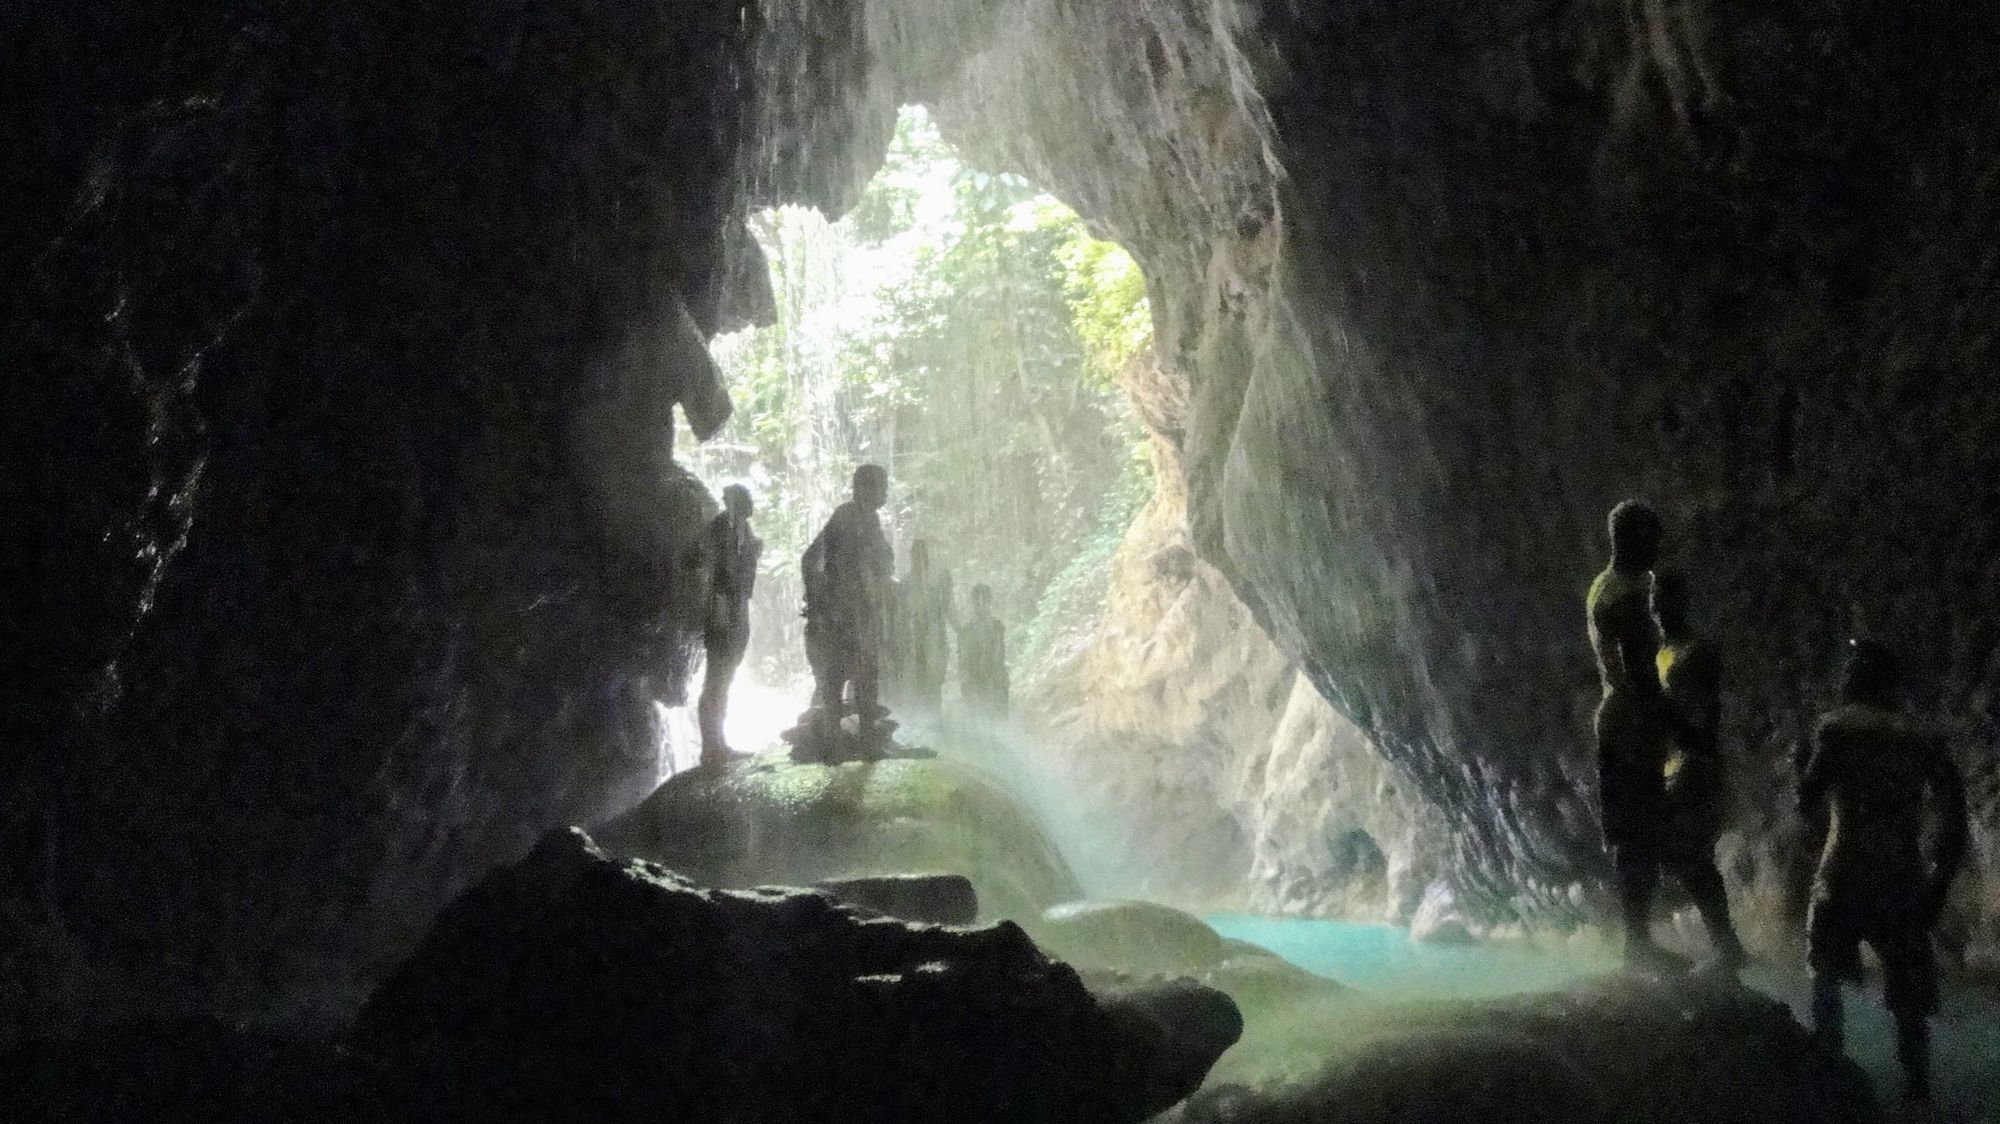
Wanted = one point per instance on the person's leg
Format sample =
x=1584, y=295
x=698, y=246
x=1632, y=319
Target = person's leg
x=725, y=655
x=708, y=708
x=1834, y=954
x=1828, y=1019
x=1637, y=869
x=1697, y=871
x=1909, y=974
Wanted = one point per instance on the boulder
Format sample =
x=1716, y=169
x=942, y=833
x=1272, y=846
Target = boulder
x=577, y=987
x=768, y=820
x=1612, y=1049
x=1130, y=936
x=940, y=899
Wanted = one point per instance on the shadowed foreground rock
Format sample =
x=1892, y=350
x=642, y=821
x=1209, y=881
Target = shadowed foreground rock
x=575, y=986
x=1615, y=1049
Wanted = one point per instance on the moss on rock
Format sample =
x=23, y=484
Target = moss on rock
x=769, y=820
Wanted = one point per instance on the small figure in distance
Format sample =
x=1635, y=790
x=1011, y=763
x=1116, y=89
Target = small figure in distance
x=1630, y=725
x=925, y=595
x=733, y=553
x=1691, y=679
x=846, y=576
x=1873, y=769
x=982, y=657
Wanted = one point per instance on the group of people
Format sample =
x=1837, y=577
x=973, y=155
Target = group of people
x=859, y=621
x=863, y=625
x=1870, y=775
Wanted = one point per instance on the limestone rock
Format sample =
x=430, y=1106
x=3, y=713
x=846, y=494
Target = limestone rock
x=1132, y=936
x=771, y=821
x=940, y=899
x=575, y=987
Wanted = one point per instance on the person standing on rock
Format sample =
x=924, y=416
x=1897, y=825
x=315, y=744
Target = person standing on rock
x=1691, y=679
x=1630, y=724
x=982, y=657
x=733, y=554
x=925, y=596
x=846, y=575
x=1875, y=773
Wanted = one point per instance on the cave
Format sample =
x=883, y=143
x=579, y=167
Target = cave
x=370, y=367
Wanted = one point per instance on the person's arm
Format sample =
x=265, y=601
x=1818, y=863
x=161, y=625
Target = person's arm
x=1813, y=779
x=1948, y=793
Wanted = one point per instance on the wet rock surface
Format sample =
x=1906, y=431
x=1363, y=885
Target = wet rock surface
x=576, y=987
x=769, y=821
x=1614, y=1049
x=939, y=899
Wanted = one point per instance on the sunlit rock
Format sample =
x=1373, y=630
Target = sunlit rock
x=770, y=821
x=576, y=987
x=1129, y=935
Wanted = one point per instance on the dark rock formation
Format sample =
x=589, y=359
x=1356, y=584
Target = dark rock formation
x=939, y=899
x=575, y=987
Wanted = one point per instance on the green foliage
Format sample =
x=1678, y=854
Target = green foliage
x=964, y=330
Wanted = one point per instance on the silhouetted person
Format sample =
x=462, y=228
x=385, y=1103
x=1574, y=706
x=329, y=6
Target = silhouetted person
x=1631, y=724
x=733, y=553
x=1690, y=673
x=1874, y=770
x=924, y=596
x=846, y=574
x=982, y=657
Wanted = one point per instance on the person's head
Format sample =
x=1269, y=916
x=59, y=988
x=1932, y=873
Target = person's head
x=982, y=600
x=871, y=486
x=1635, y=535
x=920, y=556
x=736, y=500
x=1670, y=603
x=1870, y=675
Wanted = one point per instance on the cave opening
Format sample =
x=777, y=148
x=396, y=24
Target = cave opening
x=966, y=331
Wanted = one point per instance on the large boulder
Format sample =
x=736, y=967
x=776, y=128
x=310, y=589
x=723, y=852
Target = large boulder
x=1611, y=1049
x=577, y=987
x=769, y=820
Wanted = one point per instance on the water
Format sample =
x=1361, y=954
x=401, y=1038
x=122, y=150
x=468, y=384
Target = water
x=1383, y=959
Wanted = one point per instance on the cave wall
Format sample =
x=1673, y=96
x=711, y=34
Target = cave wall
x=346, y=557
x=347, y=553
x=1444, y=284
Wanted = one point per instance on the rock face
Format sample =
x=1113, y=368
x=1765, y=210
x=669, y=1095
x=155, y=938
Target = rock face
x=1440, y=287
x=575, y=987
x=769, y=821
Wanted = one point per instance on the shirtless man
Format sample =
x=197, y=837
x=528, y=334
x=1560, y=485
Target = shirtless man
x=1873, y=770
x=1631, y=724
x=846, y=573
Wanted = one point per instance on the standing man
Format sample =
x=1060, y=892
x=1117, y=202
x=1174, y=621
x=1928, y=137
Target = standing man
x=846, y=574
x=982, y=657
x=733, y=552
x=1874, y=770
x=926, y=617
x=1691, y=679
x=1631, y=725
